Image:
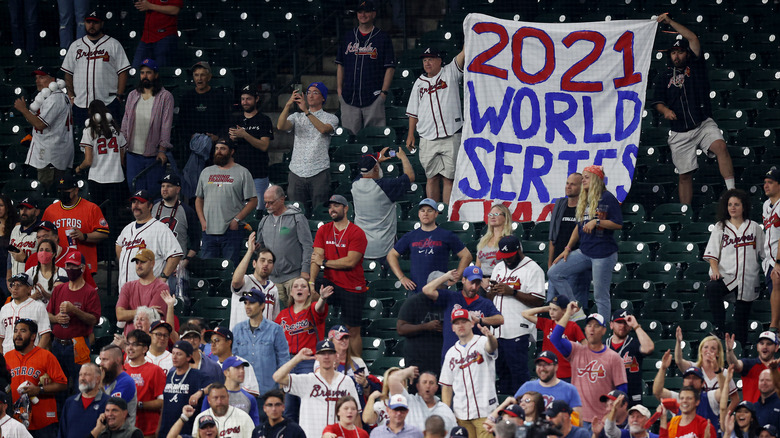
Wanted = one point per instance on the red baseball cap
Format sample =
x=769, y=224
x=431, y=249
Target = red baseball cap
x=75, y=258
x=459, y=314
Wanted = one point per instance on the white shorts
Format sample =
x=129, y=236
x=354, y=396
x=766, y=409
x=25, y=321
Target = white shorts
x=684, y=144
x=438, y=156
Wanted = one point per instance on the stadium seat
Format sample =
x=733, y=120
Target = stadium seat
x=697, y=232
x=767, y=119
x=633, y=252
x=464, y=230
x=687, y=291
x=666, y=311
x=382, y=364
x=654, y=233
x=382, y=328
x=730, y=119
x=723, y=79
x=633, y=213
x=672, y=214
x=763, y=78
x=697, y=271
x=740, y=60
x=216, y=310
x=634, y=290
x=696, y=328
x=752, y=137
x=540, y=231
x=678, y=252
x=381, y=135
x=657, y=272
x=372, y=310
x=747, y=99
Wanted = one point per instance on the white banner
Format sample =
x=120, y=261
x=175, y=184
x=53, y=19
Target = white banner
x=544, y=100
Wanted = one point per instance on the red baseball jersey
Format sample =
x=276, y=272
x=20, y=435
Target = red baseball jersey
x=29, y=368
x=149, y=384
x=84, y=216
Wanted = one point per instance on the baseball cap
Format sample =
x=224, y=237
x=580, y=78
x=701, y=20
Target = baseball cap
x=366, y=5
x=22, y=277
x=770, y=428
x=459, y=431
x=75, y=258
x=3, y=397
x=597, y=317
x=431, y=52
x=171, y=178
x=93, y=16
x=250, y=89
x=430, y=203
x=221, y=331
x=613, y=395
x=160, y=323
x=186, y=347
x=233, y=361
x=325, y=346
x=338, y=331
x=29, y=202
x=398, y=401
x=696, y=371
x=680, y=44
x=43, y=71
x=322, y=89
x=206, y=420
x=772, y=336
x=557, y=407
x=508, y=247
x=141, y=195
x=641, y=409
x=547, y=356
x=773, y=173
x=560, y=301
x=459, y=314
x=189, y=332
x=67, y=182
x=254, y=295
x=201, y=64
x=367, y=163
x=46, y=225
x=473, y=273
x=336, y=199
x=747, y=405
x=144, y=255
x=118, y=402
x=620, y=315
x=150, y=63
x=514, y=411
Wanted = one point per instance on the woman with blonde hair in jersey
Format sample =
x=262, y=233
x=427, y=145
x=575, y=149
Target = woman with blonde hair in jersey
x=499, y=224
x=375, y=412
x=711, y=360
x=598, y=216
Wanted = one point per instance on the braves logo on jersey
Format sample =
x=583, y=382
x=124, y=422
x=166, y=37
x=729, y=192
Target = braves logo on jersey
x=357, y=49
x=772, y=221
x=632, y=365
x=328, y=394
x=593, y=371
x=138, y=242
x=474, y=357
x=738, y=242
x=171, y=222
x=298, y=328
x=678, y=80
x=439, y=85
x=93, y=55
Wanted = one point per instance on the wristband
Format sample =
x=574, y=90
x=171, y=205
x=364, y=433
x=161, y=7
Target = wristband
x=40, y=387
x=514, y=292
x=184, y=418
x=140, y=405
x=384, y=92
x=567, y=247
x=164, y=276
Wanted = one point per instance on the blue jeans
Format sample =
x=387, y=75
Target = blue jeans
x=66, y=358
x=226, y=246
x=292, y=403
x=580, y=285
x=162, y=51
x=562, y=273
x=512, y=364
x=24, y=24
x=260, y=185
x=72, y=13
x=150, y=180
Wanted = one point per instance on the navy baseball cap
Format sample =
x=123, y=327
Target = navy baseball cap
x=234, y=361
x=459, y=431
x=338, y=331
x=773, y=174
x=43, y=71
x=206, y=420
x=22, y=277
x=431, y=52
x=150, y=63
x=366, y=5
x=67, y=182
x=141, y=195
x=620, y=315
x=747, y=405
x=250, y=90
x=771, y=429
x=680, y=44
x=161, y=323
x=560, y=301
x=367, y=162
x=170, y=178
x=46, y=225
x=93, y=16
x=29, y=202
x=221, y=331
x=613, y=395
x=508, y=246
x=3, y=397
x=186, y=347
x=547, y=356
x=514, y=411
x=254, y=295
x=557, y=407
x=325, y=346
x=696, y=371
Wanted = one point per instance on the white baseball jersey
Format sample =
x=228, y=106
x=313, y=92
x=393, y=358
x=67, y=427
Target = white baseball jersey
x=250, y=384
x=234, y=424
x=380, y=407
x=154, y=236
x=318, y=398
x=53, y=145
x=26, y=243
x=163, y=361
x=771, y=217
x=106, y=156
x=95, y=68
x=237, y=313
x=737, y=251
x=12, y=312
x=435, y=103
x=526, y=278
x=13, y=429
x=471, y=372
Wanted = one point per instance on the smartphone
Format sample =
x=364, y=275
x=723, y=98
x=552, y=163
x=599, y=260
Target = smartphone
x=12, y=248
x=360, y=370
x=103, y=420
x=298, y=88
x=391, y=153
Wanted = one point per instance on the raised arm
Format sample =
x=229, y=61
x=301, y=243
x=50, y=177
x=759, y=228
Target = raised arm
x=658, y=383
x=693, y=40
x=530, y=314
x=282, y=375
x=682, y=364
x=431, y=290
x=731, y=358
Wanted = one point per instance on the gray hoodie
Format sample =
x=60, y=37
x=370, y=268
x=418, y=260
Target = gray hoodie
x=288, y=236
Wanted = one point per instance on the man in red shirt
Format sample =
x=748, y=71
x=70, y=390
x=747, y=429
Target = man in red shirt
x=146, y=291
x=158, y=40
x=687, y=424
x=751, y=367
x=74, y=309
x=556, y=307
x=339, y=247
x=149, y=382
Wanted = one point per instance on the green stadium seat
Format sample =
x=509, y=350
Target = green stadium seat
x=723, y=79
x=697, y=232
x=678, y=252
x=753, y=137
x=632, y=252
x=697, y=271
x=540, y=231
x=748, y=99
x=633, y=212
x=654, y=233
x=216, y=310
x=740, y=60
x=372, y=310
x=696, y=328
x=674, y=214
x=350, y=153
x=767, y=119
x=396, y=309
x=763, y=78
x=730, y=119
x=382, y=328
x=654, y=329
x=657, y=272
x=464, y=230
x=634, y=290
x=381, y=135
x=382, y=364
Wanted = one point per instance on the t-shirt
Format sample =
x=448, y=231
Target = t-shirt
x=318, y=398
x=375, y=211
x=177, y=392
x=106, y=156
x=632, y=357
x=448, y=300
x=365, y=57
x=84, y=216
x=562, y=391
x=255, y=160
x=686, y=92
x=158, y=25
x=203, y=113
x=487, y=259
x=12, y=312
x=568, y=223
x=435, y=103
x=124, y=386
x=59, y=275
x=303, y=329
x=422, y=349
x=573, y=333
x=695, y=429
x=343, y=433
x=601, y=242
x=182, y=221
x=428, y=251
x=595, y=374
x=134, y=295
x=149, y=384
x=224, y=193
x=751, y=368
x=237, y=312
x=86, y=299
x=338, y=244
x=310, y=146
x=29, y=368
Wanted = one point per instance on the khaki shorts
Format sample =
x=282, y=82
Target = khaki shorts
x=684, y=144
x=438, y=156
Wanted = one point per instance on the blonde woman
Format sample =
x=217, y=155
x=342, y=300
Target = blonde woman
x=499, y=222
x=710, y=360
x=598, y=216
x=376, y=409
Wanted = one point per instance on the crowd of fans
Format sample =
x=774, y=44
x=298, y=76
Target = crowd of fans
x=274, y=369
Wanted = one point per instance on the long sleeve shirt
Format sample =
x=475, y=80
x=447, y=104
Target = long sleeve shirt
x=160, y=123
x=264, y=347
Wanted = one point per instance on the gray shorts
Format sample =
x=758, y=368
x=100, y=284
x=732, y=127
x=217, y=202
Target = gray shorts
x=356, y=118
x=438, y=156
x=684, y=144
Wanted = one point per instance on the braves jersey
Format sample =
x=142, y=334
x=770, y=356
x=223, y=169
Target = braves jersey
x=152, y=235
x=471, y=372
x=526, y=278
x=234, y=424
x=163, y=361
x=303, y=329
x=237, y=312
x=12, y=312
x=737, y=251
x=184, y=223
x=13, y=429
x=149, y=384
x=29, y=368
x=95, y=67
x=25, y=241
x=53, y=145
x=84, y=216
x=364, y=57
x=106, y=156
x=318, y=398
x=771, y=216
x=435, y=103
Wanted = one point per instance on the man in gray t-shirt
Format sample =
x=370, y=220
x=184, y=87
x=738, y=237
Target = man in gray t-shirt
x=224, y=198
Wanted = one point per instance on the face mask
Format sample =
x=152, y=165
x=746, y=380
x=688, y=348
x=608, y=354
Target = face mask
x=45, y=257
x=73, y=274
x=65, y=198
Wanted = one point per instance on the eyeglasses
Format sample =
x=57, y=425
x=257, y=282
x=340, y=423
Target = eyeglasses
x=216, y=340
x=526, y=400
x=161, y=335
x=494, y=214
x=313, y=92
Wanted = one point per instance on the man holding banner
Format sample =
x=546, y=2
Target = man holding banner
x=434, y=110
x=682, y=97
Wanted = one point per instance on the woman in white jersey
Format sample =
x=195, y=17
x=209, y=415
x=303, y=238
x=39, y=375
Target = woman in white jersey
x=45, y=275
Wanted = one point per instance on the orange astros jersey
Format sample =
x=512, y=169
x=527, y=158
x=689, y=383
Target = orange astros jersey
x=84, y=216
x=29, y=368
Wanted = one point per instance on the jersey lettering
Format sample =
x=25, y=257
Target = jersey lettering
x=738, y=242
x=328, y=394
x=95, y=55
x=103, y=146
x=26, y=371
x=474, y=357
x=357, y=49
x=439, y=85
x=300, y=327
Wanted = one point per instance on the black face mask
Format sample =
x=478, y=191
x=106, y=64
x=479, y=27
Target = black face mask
x=73, y=274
